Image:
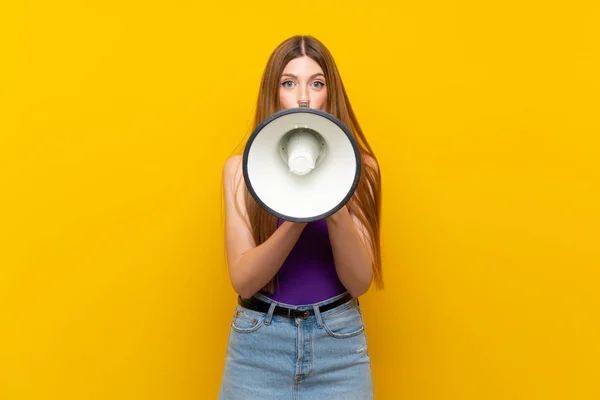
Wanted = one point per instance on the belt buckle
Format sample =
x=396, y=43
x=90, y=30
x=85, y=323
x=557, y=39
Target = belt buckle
x=305, y=313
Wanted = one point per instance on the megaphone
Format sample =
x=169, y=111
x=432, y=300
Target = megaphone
x=301, y=164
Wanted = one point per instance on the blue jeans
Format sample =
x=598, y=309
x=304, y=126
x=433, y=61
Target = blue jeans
x=324, y=356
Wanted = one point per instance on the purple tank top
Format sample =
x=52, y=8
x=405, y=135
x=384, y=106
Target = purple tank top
x=308, y=274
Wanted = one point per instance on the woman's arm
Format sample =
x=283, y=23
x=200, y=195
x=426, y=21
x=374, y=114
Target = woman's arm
x=352, y=256
x=251, y=267
x=352, y=247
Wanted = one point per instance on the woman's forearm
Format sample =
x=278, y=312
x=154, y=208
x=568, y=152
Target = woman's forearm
x=352, y=260
x=256, y=267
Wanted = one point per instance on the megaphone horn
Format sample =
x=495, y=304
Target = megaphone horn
x=301, y=164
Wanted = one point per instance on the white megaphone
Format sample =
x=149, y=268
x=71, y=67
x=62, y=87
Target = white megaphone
x=301, y=164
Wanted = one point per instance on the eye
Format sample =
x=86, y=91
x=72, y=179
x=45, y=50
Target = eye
x=319, y=84
x=285, y=83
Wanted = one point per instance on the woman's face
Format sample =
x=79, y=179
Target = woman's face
x=303, y=80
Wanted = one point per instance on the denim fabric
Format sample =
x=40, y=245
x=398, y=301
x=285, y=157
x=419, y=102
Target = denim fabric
x=324, y=356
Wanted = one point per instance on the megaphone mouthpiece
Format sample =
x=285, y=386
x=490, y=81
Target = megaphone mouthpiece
x=302, y=150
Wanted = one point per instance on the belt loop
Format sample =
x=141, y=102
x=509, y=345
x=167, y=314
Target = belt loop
x=318, y=315
x=270, y=313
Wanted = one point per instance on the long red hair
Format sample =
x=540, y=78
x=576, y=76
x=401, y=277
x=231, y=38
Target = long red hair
x=365, y=204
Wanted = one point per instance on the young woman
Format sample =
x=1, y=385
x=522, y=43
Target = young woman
x=297, y=331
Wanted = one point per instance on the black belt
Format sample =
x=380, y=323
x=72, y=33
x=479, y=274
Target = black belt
x=262, y=306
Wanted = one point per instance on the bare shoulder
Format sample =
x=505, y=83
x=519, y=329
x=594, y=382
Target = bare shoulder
x=233, y=181
x=232, y=172
x=232, y=166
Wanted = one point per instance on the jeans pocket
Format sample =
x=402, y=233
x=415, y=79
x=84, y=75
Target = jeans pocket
x=344, y=324
x=247, y=321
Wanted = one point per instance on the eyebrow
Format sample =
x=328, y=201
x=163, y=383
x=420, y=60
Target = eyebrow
x=312, y=76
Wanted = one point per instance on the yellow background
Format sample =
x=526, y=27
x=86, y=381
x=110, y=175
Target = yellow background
x=116, y=118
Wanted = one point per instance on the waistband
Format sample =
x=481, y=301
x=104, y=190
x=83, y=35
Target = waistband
x=262, y=303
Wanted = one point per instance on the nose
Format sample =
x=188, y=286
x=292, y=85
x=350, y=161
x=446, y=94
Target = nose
x=303, y=100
